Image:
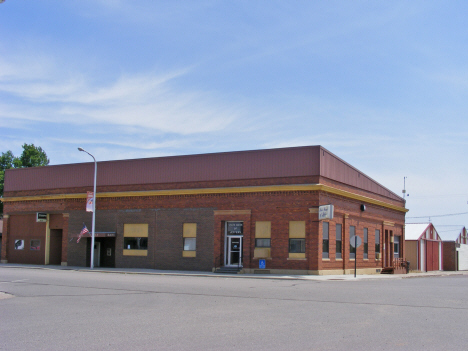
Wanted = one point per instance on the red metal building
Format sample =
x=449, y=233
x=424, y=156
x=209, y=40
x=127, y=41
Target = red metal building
x=423, y=247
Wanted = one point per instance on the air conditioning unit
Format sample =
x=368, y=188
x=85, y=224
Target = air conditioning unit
x=377, y=256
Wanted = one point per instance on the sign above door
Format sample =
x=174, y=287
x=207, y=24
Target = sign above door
x=235, y=228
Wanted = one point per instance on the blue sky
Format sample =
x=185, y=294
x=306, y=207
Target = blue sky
x=382, y=84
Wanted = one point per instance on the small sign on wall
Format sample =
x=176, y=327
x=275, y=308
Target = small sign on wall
x=41, y=217
x=19, y=244
x=235, y=228
x=326, y=212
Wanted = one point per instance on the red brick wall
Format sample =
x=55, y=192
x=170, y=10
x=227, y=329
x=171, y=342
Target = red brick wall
x=5, y=238
x=165, y=214
x=25, y=227
x=165, y=241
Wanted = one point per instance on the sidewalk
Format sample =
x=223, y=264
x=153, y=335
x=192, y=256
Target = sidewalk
x=348, y=277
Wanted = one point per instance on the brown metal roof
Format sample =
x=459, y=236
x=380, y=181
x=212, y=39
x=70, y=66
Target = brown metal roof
x=240, y=165
x=334, y=168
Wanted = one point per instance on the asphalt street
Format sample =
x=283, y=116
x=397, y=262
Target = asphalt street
x=47, y=309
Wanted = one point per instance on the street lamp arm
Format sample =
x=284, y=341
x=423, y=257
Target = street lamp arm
x=81, y=149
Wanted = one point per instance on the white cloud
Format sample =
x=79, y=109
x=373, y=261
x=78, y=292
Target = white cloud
x=139, y=144
x=150, y=101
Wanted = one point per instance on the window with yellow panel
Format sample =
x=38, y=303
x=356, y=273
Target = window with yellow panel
x=297, y=239
x=135, y=239
x=190, y=240
x=262, y=239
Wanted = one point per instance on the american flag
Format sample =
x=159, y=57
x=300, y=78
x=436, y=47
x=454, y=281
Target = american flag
x=83, y=231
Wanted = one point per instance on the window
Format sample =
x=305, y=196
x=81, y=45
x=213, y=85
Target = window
x=297, y=230
x=296, y=245
x=262, y=242
x=262, y=239
x=352, y=250
x=136, y=243
x=377, y=241
x=190, y=240
x=325, y=241
x=338, y=241
x=35, y=245
x=135, y=239
x=396, y=246
x=190, y=244
x=366, y=247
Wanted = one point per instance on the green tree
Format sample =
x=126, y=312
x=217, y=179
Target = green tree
x=31, y=156
x=8, y=160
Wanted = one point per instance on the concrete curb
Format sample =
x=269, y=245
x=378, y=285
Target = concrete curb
x=349, y=277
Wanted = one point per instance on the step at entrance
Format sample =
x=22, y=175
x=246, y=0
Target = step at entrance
x=387, y=270
x=228, y=270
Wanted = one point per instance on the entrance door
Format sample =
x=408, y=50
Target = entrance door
x=234, y=251
x=55, y=247
x=97, y=254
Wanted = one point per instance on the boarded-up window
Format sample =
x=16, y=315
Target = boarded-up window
x=297, y=231
x=190, y=240
x=262, y=239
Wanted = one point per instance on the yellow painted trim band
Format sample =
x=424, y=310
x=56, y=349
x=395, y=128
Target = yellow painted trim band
x=189, y=254
x=136, y=230
x=232, y=212
x=297, y=255
x=369, y=200
x=208, y=191
x=135, y=252
x=262, y=252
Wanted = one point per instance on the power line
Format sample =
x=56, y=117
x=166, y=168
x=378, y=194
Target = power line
x=445, y=215
x=456, y=227
x=435, y=196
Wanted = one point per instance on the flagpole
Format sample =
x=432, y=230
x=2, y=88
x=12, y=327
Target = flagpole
x=94, y=208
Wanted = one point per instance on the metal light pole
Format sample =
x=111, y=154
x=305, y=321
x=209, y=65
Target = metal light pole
x=94, y=208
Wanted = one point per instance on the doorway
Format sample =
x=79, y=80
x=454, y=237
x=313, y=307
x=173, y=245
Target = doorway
x=234, y=250
x=55, y=247
x=97, y=254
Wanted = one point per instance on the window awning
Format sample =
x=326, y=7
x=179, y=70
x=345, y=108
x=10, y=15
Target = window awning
x=98, y=235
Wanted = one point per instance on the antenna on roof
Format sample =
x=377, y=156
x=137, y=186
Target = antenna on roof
x=404, y=188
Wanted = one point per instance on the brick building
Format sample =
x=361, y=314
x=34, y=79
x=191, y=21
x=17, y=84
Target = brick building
x=201, y=212
x=1, y=231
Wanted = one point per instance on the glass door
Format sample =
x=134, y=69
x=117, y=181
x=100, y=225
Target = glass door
x=234, y=251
